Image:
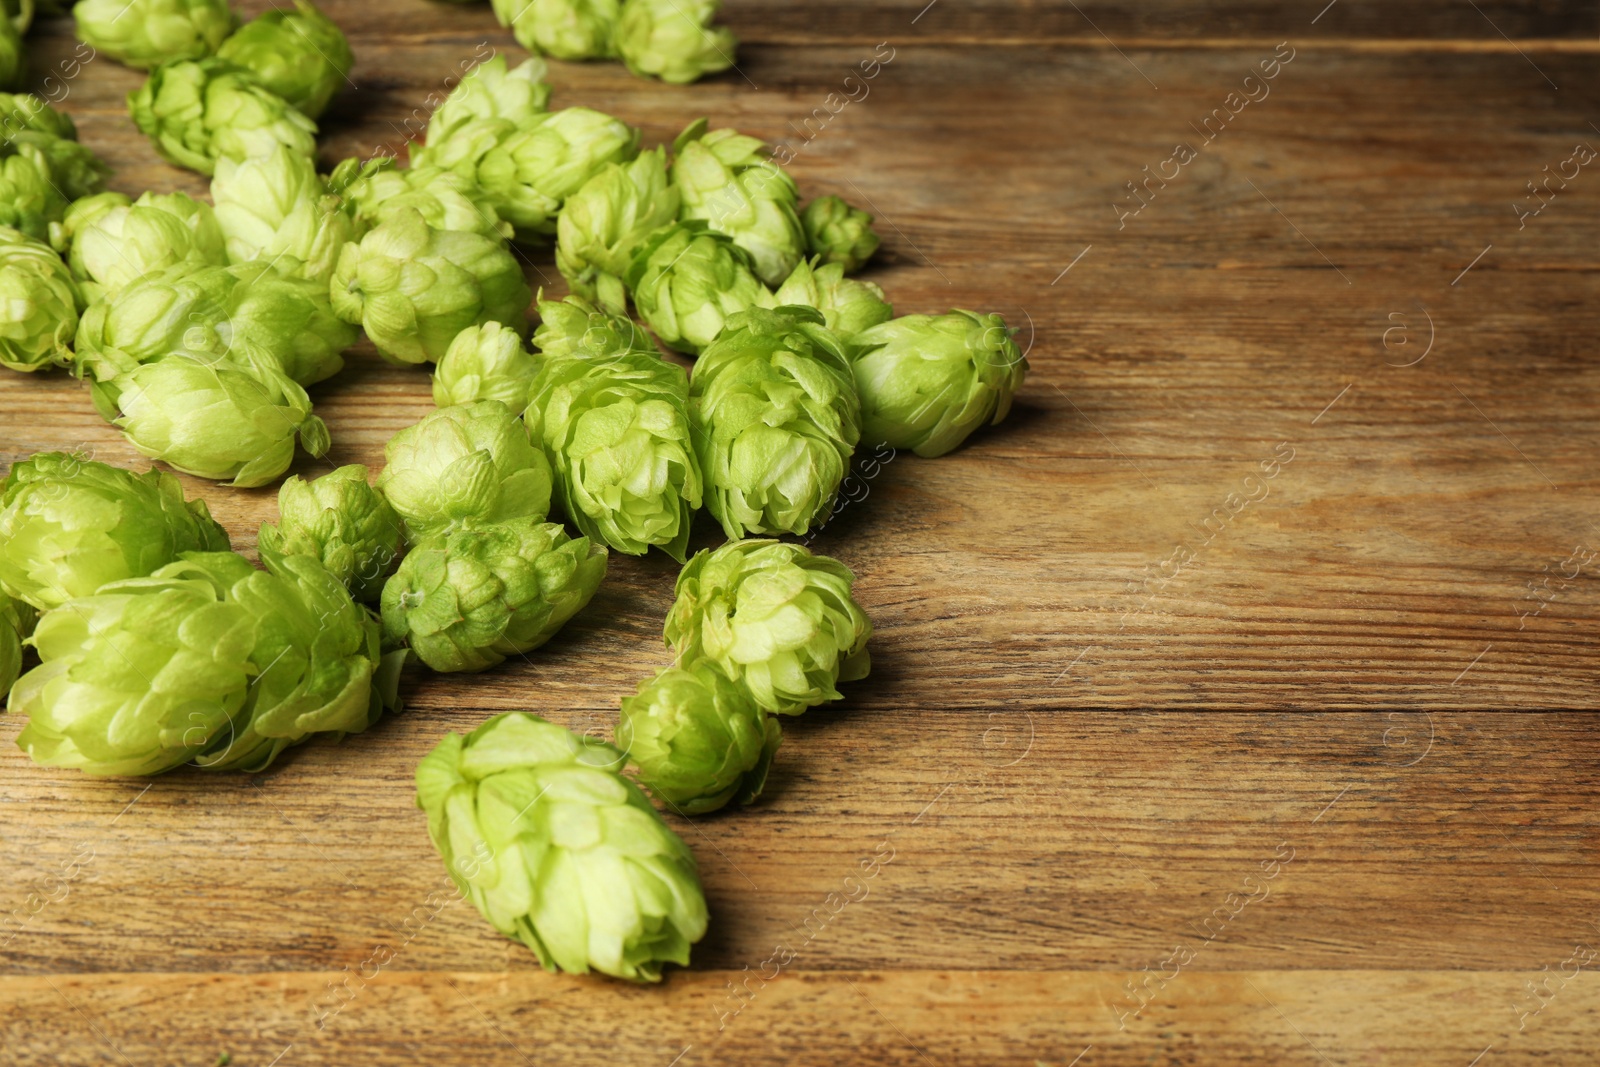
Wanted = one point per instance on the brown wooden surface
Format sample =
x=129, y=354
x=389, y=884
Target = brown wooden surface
x=1344, y=670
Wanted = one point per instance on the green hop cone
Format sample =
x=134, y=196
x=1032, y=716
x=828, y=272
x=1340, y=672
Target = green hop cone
x=114, y=245
x=839, y=233
x=777, y=421
x=379, y=191
x=341, y=521
x=566, y=29
x=848, y=305
x=468, y=461
x=730, y=181
x=686, y=281
x=69, y=525
x=466, y=599
x=301, y=55
x=39, y=303
x=75, y=171
x=213, y=418
x=927, y=381
x=198, y=111
x=246, y=313
x=559, y=851
x=24, y=111
x=143, y=33
x=529, y=168
x=617, y=431
x=485, y=362
x=276, y=208
x=775, y=618
x=698, y=739
x=603, y=224
x=30, y=200
x=490, y=91
x=575, y=327
x=415, y=288
x=207, y=660
x=674, y=40
x=16, y=624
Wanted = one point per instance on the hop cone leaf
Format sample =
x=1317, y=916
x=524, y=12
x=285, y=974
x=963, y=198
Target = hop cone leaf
x=30, y=198
x=24, y=111
x=341, y=521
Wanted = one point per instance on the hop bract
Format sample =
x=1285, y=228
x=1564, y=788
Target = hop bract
x=603, y=224
x=559, y=851
x=490, y=91
x=341, y=521
x=16, y=623
x=698, y=738
x=566, y=29
x=575, y=327
x=199, y=110
x=839, y=233
x=379, y=191
x=301, y=55
x=143, y=33
x=276, y=208
x=927, y=381
x=775, y=618
x=466, y=599
x=485, y=362
x=777, y=420
x=674, y=40
x=115, y=244
x=730, y=181
x=848, y=305
x=686, y=282
x=414, y=288
x=618, y=433
x=69, y=525
x=39, y=303
x=466, y=461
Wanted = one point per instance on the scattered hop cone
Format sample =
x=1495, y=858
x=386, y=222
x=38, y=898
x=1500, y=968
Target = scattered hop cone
x=559, y=851
x=143, y=33
x=24, y=111
x=730, y=181
x=485, y=362
x=379, y=191
x=341, y=521
x=674, y=40
x=575, y=327
x=114, y=245
x=39, y=303
x=75, y=171
x=30, y=200
x=466, y=599
x=566, y=29
x=415, y=288
x=198, y=111
x=839, y=233
x=698, y=739
x=848, y=306
x=686, y=282
x=276, y=208
x=301, y=55
x=490, y=91
x=603, y=224
x=773, y=617
x=69, y=525
x=777, y=421
x=16, y=623
x=213, y=418
x=927, y=381
x=467, y=461
x=529, y=168
x=618, y=434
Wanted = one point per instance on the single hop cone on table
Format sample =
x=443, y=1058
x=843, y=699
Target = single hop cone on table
x=687, y=281
x=604, y=223
x=197, y=111
x=848, y=305
x=773, y=617
x=39, y=304
x=69, y=525
x=776, y=419
x=698, y=738
x=566, y=29
x=341, y=521
x=276, y=208
x=490, y=91
x=674, y=40
x=467, y=598
x=301, y=55
x=730, y=182
x=377, y=191
x=928, y=381
x=485, y=362
x=144, y=33
x=559, y=851
x=573, y=326
x=115, y=242
x=838, y=233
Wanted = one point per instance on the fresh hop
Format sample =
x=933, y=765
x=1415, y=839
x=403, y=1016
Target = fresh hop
x=848, y=305
x=617, y=430
x=490, y=91
x=466, y=461
x=39, y=303
x=673, y=39
x=485, y=362
x=276, y=208
x=777, y=421
x=377, y=191
x=687, y=281
x=839, y=233
x=300, y=55
x=70, y=525
x=199, y=110
x=566, y=29
x=605, y=222
x=115, y=241
x=467, y=598
x=731, y=182
x=559, y=851
x=575, y=327
x=208, y=660
x=143, y=33
x=698, y=738
x=343, y=522
x=775, y=618
x=927, y=381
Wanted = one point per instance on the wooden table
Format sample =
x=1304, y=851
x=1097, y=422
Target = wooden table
x=1306, y=461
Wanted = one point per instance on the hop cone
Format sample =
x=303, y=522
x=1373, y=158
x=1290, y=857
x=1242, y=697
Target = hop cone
x=839, y=233
x=301, y=55
x=143, y=33
x=730, y=181
x=115, y=244
x=490, y=91
x=39, y=303
x=848, y=305
x=276, y=208
x=575, y=327
x=607, y=219
x=199, y=110
x=566, y=29
x=341, y=521
x=485, y=362
x=686, y=282
x=446, y=200
x=674, y=40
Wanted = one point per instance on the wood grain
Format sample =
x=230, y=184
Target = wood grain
x=1035, y=594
